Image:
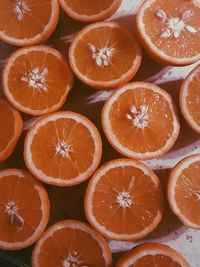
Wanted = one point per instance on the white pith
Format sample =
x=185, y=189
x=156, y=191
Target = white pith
x=44, y=213
x=175, y=26
x=72, y=225
x=101, y=56
x=78, y=119
x=112, y=137
x=13, y=216
x=175, y=174
x=124, y=199
x=115, y=82
x=72, y=260
x=63, y=149
x=36, y=79
x=183, y=100
x=90, y=192
x=146, y=38
x=25, y=51
x=37, y=37
x=138, y=116
x=21, y=9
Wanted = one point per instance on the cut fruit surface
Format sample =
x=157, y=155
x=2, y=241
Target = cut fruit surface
x=105, y=55
x=184, y=191
x=170, y=35
x=140, y=121
x=190, y=99
x=152, y=255
x=71, y=243
x=37, y=80
x=10, y=129
x=124, y=200
x=63, y=148
x=27, y=22
x=87, y=11
x=24, y=209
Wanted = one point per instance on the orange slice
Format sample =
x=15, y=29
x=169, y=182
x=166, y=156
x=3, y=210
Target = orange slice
x=105, y=55
x=37, y=80
x=71, y=243
x=190, y=99
x=63, y=149
x=140, y=121
x=24, y=209
x=124, y=200
x=170, y=35
x=184, y=191
x=88, y=11
x=27, y=22
x=11, y=127
x=152, y=255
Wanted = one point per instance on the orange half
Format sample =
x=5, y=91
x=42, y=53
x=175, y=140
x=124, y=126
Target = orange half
x=105, y=55
x=63, y=148
x=88, y=11
x=190, y=99
x=11, y=127
x=123, y=200
x=184, y=191
x=152, y=255
x=24, y=209
x=140, y=121
x=27, y=22
x=37, y=80
x=170, y=30
x=71, y=243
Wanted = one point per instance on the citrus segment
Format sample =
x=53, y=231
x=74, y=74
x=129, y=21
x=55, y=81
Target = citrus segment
x=105, y=55
x=37, y=80
x=71, y=243
x=152, y=255
x=140, y=121
x=170, y=35
x=27, y=22
x=184, y=191
x=24, y=209
x=124, y=200
x=190, y=99
x=90, y=12
x=66, y=142
x=10, y=129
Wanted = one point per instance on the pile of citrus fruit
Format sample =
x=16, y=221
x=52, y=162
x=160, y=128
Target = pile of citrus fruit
x=124, y=198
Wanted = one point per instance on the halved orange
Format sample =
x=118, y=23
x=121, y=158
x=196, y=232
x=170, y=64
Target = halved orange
x=140, y=121
x=123, y=200
x=190, y=99
x=71, y=243
x=87, y=11
x=152, y=255
x=105, y=55
x=11, y=127
x=63, y=148
x=184, y=191
x=170, y=30
x=27, y=22
x=24, y=209
x=37, y=80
